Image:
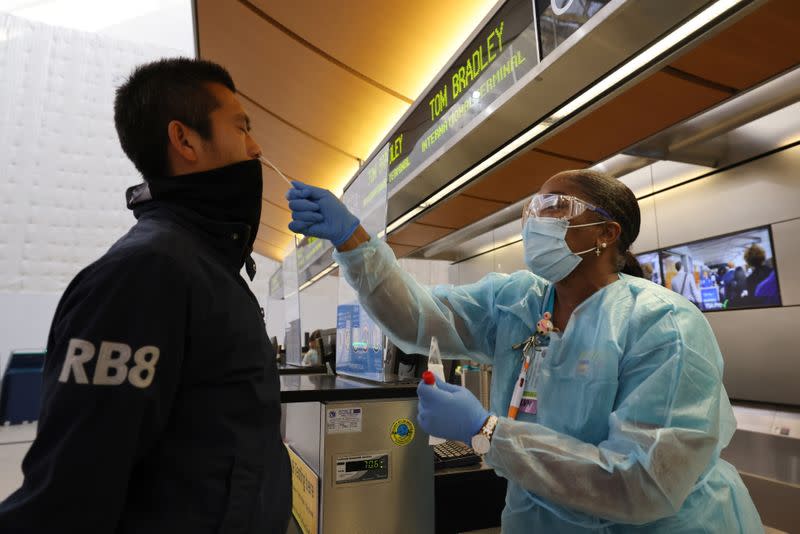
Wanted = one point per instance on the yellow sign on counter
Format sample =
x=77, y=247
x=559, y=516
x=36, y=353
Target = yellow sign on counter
x=305, y=494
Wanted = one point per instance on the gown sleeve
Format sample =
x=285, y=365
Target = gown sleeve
x=463, y=318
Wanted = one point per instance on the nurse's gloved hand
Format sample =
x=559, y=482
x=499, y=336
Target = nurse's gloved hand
x=450, y=412
x=317, y=212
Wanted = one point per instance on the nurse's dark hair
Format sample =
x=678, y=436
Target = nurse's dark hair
x=157, y=93
x=608, y=193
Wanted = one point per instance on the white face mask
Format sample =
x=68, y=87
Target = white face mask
x=546, y=251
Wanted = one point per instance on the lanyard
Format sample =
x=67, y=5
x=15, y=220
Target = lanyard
x=533, y=352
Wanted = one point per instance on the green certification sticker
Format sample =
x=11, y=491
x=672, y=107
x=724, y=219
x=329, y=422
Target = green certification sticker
x=402, y=432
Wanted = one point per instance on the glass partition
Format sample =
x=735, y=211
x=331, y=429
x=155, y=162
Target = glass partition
x=291, y=310
x=360, y=345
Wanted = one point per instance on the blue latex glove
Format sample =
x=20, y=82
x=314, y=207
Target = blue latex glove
x=317, y=212
x=450, y=412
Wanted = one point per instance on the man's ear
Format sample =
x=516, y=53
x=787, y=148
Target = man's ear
x=183, y=141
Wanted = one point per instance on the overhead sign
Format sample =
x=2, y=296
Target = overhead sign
x=502, y=52
x=313, y=256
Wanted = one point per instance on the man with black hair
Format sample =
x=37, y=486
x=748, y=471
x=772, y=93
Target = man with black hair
x=161, y=402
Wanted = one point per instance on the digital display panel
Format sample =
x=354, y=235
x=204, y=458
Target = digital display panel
x=502, y=52
x=365, y=465
x=362, y=468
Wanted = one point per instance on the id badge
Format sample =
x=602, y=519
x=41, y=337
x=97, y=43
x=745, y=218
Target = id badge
x=529, y=402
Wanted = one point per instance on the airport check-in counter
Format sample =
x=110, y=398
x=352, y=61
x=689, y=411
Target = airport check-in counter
x=362, y=464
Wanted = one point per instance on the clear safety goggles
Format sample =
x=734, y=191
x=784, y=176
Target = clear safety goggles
x=557, y=206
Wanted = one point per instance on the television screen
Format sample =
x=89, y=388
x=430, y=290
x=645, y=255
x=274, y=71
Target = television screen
x=726, y=272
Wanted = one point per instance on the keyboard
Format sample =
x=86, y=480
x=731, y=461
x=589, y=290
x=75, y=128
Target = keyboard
x=454, y=454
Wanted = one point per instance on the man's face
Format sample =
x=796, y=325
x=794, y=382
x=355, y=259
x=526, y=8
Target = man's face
x=230, y=140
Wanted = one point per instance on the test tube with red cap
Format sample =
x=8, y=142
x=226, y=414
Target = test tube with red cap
x=430, y=379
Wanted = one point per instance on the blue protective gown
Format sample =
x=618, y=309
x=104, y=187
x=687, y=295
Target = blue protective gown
x=632, y=413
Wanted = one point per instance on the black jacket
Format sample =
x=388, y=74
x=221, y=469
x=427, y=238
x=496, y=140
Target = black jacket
x=161, y=403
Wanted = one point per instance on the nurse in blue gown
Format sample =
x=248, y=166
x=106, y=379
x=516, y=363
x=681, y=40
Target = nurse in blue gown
x=630, y=413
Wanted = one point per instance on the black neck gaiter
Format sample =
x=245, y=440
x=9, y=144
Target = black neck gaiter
x=226, y=194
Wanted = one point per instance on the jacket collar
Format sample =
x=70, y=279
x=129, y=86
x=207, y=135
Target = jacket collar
x=229, y=239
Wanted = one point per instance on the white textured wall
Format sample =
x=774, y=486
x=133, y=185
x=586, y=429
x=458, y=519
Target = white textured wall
x=62, y=172
x=164, y=23
x=25, y=321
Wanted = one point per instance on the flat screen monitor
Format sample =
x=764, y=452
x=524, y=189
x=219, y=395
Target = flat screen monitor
x=732, y=271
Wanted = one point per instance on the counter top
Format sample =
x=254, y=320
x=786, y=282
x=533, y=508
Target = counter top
x=288, y=369
x=765, y=455
x=476, y=469
x=324, y=387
